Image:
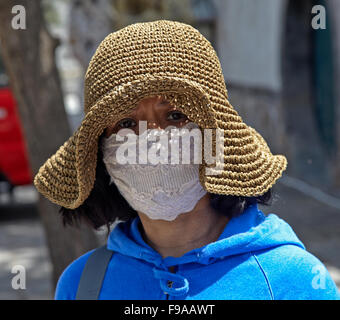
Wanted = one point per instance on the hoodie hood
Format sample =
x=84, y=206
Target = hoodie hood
x=250, y=231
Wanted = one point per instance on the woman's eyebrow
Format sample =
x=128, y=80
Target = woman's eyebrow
x=165, y=103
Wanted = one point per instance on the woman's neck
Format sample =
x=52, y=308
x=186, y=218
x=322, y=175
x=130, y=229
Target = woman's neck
x=188, y=231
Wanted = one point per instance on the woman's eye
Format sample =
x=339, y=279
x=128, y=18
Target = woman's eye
x=176, y=115
x=126, y=123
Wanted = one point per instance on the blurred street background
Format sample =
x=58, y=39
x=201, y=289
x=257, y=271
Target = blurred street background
x=282, y=74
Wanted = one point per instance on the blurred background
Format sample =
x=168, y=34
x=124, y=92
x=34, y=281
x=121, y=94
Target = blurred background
x=282, y=75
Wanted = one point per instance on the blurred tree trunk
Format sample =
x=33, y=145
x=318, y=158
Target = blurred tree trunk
x=29, y=59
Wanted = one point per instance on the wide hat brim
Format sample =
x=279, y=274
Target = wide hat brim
x=250, y=169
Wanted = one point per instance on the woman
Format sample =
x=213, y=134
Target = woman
x=185, y=231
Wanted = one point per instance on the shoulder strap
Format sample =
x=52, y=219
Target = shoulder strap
x=93, y=274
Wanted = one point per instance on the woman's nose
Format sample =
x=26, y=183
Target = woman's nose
x=150, y=125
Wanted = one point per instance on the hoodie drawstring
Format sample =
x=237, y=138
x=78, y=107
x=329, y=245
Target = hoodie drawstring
x=180, y=284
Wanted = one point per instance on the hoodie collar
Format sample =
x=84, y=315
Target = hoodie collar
x=250, y=231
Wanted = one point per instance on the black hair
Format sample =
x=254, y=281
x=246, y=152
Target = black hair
x=105, y=203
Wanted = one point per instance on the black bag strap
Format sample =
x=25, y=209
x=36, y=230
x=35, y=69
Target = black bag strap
x=93, y=274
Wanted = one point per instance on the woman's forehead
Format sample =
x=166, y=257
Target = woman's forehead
x=153, y=99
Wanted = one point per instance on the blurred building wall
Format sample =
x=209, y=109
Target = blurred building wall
x=249, y=42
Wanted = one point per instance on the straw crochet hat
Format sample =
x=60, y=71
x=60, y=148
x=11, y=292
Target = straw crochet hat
x=176, y=61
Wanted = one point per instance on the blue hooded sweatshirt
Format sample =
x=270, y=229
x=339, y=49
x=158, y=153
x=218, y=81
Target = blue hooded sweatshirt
x=256, y=257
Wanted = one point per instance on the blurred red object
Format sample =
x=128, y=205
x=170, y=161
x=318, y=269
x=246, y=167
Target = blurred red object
x=14, y=163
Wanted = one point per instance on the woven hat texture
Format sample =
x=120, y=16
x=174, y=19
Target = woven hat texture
x=176, y=61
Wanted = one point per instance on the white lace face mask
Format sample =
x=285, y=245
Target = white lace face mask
x=162, y=190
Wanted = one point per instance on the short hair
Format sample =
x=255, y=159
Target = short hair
x=105, y=204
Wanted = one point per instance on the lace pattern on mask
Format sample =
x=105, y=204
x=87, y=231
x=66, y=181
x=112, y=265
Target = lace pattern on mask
x=162, y=190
